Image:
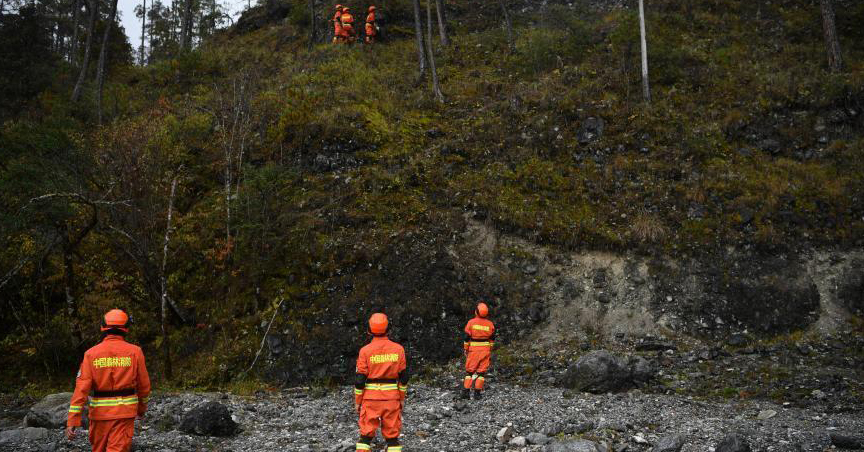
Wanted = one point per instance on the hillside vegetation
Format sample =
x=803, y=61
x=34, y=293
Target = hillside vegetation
x=329, y=182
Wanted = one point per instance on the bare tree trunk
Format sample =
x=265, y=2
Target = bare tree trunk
x=76, y=19
x=103, y=56
x=418, y=33
x=835, y=58
x=508, y=24
x=143, y=30
x=436, y=90
x=442, y=22
x=312, y=22
x=93, y=6
x=646, y=89
x=186, y=27
x=166, y=348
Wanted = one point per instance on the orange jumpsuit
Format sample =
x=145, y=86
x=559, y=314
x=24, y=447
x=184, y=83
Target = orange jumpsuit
x=370, y=28
x=382, y=382
x=479, y=339
x=337, y=26
x=347, y=29
x=115, y=371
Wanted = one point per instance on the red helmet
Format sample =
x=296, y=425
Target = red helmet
x=482, y=310
x=338, y=7
x=372, y=8
x=378, y=324
x=345, y=9
x=115, y=319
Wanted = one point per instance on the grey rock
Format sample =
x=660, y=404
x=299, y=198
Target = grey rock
x=670, y=443
x=733, y=443
x=598, y=372
x=591, y=130
x=210, y=419
x=579, y=445
x=766, y=414
x=537, y=438
x=52, y=412
x=518, y=441
x=769, y=145
x=641, y=370
x=846, y=441
x=26, y=434
x=738, y=340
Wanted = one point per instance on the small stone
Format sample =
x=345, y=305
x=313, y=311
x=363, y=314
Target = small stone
x=670, y=443
x=766, y=414
x=504, y=435
x=639, y=439
x=818, y=394
x=518, y=441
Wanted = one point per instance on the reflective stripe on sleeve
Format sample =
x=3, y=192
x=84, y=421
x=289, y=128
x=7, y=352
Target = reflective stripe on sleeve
x=363, y=446
x=358, y=391
x=480, y=344
x=75, y=408
x=403, y=388
x=394, y=449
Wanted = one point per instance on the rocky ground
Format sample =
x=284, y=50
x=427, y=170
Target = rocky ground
x=318, y=420
x=796, y=393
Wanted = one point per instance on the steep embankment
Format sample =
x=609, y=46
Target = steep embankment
x=329, y=180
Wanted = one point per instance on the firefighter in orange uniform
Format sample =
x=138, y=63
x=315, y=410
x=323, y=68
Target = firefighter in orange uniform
x=380, y=387
x=337, y=25
x=371, y=26
x=114, y=371
x=346, y=20
x=479, y=340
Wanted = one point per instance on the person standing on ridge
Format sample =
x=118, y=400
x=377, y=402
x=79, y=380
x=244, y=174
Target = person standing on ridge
x=115, y=371
x=337, y=25
x=380, y=387
x=371, y=26
x=346, y=20
x=479, y=340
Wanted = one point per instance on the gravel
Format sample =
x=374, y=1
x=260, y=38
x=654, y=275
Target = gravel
x=303, y=420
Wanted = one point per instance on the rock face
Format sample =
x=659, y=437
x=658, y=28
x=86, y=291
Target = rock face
x=600, y=371
x=579, y=445
x=51, y=412
x=210, y=419
x=671, y=443
x=733, y=443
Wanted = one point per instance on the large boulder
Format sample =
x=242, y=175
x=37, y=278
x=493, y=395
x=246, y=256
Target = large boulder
x=846, y=441
x=578, y=445
x=600, y=371
x=52, y=412
x=210, y=419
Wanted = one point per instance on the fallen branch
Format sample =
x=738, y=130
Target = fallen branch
x=263, y=339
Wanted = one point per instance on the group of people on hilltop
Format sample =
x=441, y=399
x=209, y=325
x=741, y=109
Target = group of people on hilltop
x=114, y=384
x=343, y=26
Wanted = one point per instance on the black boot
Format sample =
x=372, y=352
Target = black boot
x=478, y=394
x=466, y=394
